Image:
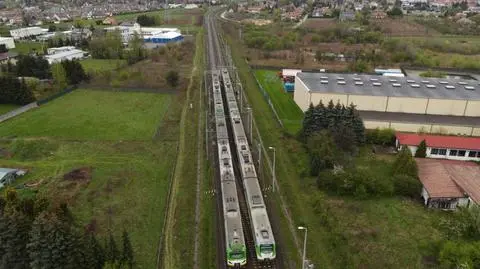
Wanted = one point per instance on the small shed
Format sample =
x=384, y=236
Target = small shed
x=8, y=175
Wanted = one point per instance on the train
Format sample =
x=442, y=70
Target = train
x=265, y=247
x=236, y=252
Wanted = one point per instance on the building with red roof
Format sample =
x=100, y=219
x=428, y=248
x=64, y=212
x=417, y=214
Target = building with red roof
x=442, y=146
x=448, y=184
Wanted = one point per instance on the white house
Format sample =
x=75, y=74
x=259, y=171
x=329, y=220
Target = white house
x=442, y=146
x=147, y=33
x=56, y=55
x=22, y=33
x=8, y=42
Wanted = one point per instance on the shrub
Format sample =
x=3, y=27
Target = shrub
x=404, y=164
x=421, y=150
x=407, y=186
x=384, y=137
x=32, y=149
x=172, y=78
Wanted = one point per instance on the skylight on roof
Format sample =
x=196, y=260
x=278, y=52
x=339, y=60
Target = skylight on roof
x=443, y=82
x=377, y=84
x=396, y=84
x=425, y=81
x=415, y=85
x=357, y=79
x=341, y=82
x=462, y=83
x=431, y=86
x=410, y=81
x=340, y=78
x=374, y=79
x=392, y=80
x=469, y=88
x=324, y=81
x=450, y=87
x=358, y=83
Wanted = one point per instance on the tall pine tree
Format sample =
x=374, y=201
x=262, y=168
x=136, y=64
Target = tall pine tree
x=127, y=258
x=421, y=150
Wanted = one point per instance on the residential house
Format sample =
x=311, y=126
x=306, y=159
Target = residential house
x=347, y=15
x=110, y=21
x=378, y=15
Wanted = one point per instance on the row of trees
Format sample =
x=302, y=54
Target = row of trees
x=111, y=46
x=68, y=72
x=37, y=234
x=15, y=91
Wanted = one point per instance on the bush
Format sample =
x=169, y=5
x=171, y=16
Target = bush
x=405, y=164
x=421, y=150
x=172, y=78
x=32, y=149
x=384, y=137
x=407, y=186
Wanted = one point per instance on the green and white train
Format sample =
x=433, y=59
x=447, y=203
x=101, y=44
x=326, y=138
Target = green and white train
x=236, y=253
x=260, y=224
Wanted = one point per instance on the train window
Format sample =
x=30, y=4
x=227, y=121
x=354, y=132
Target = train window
x=224, y=149
x=244, y=147
x=256, y=199
x=264, y=233
x=225, y=162
x=246, y=159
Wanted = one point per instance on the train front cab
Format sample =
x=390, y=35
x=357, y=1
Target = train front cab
x=266, y=252
x=236, y=257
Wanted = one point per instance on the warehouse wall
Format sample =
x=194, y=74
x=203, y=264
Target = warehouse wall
x=366, y=102
x=446, y=107
x=410, y=127
x=476, y=132
x=301, y=95
x=473, y=109
x=453, y=129
x=407, y=105
x=326, y=97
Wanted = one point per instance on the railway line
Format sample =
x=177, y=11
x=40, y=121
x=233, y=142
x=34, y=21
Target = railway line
x=239, y=220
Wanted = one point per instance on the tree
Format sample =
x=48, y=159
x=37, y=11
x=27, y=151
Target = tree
x=127, y=253
x=407, y=186
x=404, y=164
x=59, y=76
x=74, y=71
x=421, y=150
x=322, y=152
x=145, y=20
x=395, y=12
x=111, y=251
x=13, y=240
x=172, y=78
x=52, y=28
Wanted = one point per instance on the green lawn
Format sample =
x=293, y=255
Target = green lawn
x=129, y=179
x=96, y=65
x=288, y=111
x=4, y=108
x=26, y=47
x=93, y=115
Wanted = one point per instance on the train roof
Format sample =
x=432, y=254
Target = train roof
x=232, y=217
x=263, y=230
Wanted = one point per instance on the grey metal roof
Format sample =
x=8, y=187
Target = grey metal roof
x=420, y=118
x=436, y=88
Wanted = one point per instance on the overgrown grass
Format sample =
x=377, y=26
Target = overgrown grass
x=97, y=65
x=26, y=47
x=88, y=129
x=4, y=108
x=93, y=115
x=172, y=13
x=343, y=233
x=288, y=111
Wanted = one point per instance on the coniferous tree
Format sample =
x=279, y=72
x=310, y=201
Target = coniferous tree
x=404, y=164
x=421, y=150
x=98, y=257
x=127, y=258
x=14, y=238
x=111, y=251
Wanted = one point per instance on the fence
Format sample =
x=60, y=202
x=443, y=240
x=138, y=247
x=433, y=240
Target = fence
x=33, y=105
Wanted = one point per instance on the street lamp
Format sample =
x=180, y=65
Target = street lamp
x=304, y=245
x=273, y=172
x=250, y=123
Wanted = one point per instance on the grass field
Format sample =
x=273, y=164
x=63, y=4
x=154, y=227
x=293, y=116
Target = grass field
x=93, y=115
x=129, y=180
x=96, y=65
x=4, y=108
x=172, y=13
x=27, y=47
x=343, y=233
x=288, y=111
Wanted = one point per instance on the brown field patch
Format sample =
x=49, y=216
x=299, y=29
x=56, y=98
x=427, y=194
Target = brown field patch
x=82, y=174
x=403, y=27
x=319, y=24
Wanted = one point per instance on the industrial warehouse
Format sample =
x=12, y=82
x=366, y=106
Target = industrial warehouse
x=429, y=105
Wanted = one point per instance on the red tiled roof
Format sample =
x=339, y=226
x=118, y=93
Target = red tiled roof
x=439, y=141
x=449, y=179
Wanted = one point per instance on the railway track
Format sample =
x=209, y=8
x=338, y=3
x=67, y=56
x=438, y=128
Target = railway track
x=216, y=61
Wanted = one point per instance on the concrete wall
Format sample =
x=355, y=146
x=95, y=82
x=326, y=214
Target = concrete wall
x=365, y=102
x=370, y=124
x=452, y=129
x=326, y=97
x=409, y=127
x=473, y=109
x=407, y=105
x=446, y=107
x=476, y=132
x=301, y=95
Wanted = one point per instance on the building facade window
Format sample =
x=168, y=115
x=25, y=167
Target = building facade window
x=472, y=154
x=453, y=152
x=434, y=151
x=461, y=153
x=442, y=152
